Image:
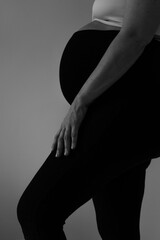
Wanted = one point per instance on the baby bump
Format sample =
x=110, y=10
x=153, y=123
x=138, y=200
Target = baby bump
x=80, y=57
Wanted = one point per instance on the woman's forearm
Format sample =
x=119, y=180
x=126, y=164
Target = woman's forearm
x=118, y=58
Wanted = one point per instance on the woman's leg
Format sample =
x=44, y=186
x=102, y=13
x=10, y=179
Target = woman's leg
x=118, y=205
x=60, y=187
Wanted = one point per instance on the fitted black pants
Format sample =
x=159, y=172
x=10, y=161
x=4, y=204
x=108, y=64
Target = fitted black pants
x=113, y=151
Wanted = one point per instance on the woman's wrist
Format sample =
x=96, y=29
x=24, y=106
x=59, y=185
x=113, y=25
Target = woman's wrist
x=81, y=101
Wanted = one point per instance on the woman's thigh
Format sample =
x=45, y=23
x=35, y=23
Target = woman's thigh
x=118, y=205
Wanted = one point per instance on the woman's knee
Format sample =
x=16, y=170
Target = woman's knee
x=37, y=221
x=40, y=210
x=22, y=209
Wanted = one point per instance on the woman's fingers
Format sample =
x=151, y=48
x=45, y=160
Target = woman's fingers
x=60, y=144
x=67, y=140
x=55, y=140
x=74, y=135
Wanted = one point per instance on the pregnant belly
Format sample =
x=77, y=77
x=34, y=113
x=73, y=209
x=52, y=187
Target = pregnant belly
x=80, y=57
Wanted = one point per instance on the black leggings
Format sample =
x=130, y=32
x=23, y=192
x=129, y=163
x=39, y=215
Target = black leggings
x=110, y=160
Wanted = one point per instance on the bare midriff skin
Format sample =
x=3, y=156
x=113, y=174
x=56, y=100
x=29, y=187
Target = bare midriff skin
x=102, y=26
x=99, y=26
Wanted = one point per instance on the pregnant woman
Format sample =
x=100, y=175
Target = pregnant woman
x=109, y=74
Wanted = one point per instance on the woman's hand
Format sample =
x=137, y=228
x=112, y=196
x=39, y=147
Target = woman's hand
x=66, y=137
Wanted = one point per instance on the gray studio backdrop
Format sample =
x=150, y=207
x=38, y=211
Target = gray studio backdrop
x=33, y=34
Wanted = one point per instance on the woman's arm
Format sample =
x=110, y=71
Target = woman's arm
x=139, y=25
